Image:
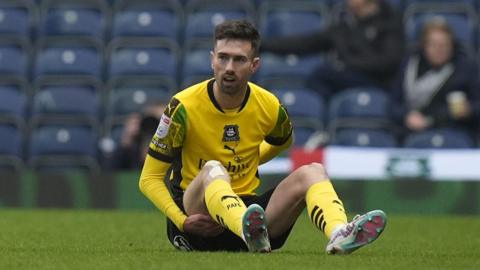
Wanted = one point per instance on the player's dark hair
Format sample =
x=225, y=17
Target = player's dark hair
x=238, y=29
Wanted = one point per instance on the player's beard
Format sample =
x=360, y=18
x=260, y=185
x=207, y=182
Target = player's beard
x=232, y=88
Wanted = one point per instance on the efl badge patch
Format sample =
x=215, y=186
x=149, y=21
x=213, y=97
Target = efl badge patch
x=163, y=126
x=230, y=133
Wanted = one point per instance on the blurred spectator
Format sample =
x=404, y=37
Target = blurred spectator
x=366, y=42
x=437, y=85
x=136, y=135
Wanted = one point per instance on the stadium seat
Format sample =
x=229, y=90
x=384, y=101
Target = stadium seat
x=281, y=18
x=69, y=100
x=439, y=138
x=196, y=64
x=203, y=15
x=14, y=52
x=143, y=58
x=460, y=16
x=74, y=20
x=73, y=59
x=14, y=101
x=305, y=106
x=359, y=107
x=130, y=97
x=304, y=135
x=147, y=19
x=286, y=69
x=17, y=19
x=63, y=145
x=363, y=137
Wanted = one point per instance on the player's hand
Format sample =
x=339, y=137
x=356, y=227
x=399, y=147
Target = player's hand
x=202, y=225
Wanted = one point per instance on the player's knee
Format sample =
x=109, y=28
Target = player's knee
x=215, y=170
x=313, y=171
x=318, y=169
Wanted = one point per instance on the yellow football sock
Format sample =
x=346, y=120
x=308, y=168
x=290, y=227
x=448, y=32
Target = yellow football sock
x=324, y=207
x=225, y=206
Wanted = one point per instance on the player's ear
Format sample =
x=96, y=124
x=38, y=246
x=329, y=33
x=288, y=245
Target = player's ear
x=212, y=55
x=255, y=64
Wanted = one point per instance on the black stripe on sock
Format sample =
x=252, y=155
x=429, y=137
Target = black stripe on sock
x=323, y=226
x=319, y=215
x=312, y=214
x=220, y=220
x=320, y=223
x=338, y=202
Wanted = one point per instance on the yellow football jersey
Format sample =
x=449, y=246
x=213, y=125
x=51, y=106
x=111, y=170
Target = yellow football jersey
x=194, y=129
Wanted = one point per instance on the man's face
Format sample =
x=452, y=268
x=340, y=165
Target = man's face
x=233, y=64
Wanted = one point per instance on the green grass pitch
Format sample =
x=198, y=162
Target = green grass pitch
x=67, y=239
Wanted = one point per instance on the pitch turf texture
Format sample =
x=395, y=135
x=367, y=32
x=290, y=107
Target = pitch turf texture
x=58, y=239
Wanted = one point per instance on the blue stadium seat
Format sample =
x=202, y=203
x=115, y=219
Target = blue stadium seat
x=147, y=19
x=132, y=97
x=359, y=107
x=74, y=18
x=17, y=18
x=304, y=134
x=57, y=59
x=288, y=69
x=12, y=52
x=363, y=137
x=13, y=103
x=63, y=145
x=439, y=138
x=281, y=18
x=200, y=25
x=196, y=64
x=305, y=106
x=202, y=16
x=154, y=58
x=75, y=102
x=360, y=102
x=72, y=22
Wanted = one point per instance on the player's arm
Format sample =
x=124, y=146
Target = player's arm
x=279, y=139
x=169, y=136
x=154, y=188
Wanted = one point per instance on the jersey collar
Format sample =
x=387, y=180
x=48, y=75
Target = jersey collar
x=214, y=101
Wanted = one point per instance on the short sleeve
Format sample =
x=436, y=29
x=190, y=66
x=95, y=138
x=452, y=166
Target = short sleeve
x=282, y=130
x=170, y=132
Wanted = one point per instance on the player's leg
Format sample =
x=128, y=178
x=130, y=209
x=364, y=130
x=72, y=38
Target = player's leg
x=308, y=185
x=210, y=192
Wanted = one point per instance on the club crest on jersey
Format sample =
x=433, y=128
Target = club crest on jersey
x=163, y=126
x=231, y=133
